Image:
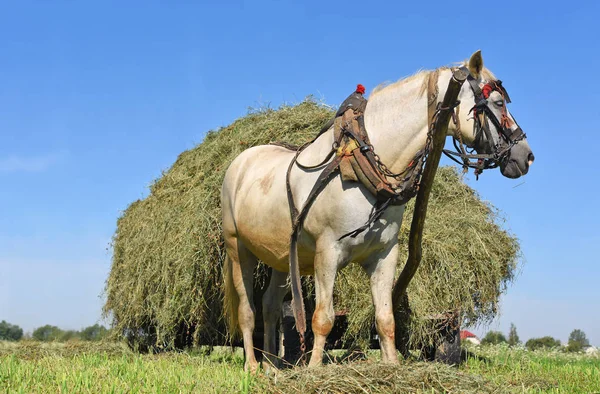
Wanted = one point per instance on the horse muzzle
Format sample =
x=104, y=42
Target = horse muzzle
x=518, y=162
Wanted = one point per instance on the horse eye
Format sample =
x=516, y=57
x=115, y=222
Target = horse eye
x=499, y=103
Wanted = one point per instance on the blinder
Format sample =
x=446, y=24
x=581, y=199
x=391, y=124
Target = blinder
x=490, y=154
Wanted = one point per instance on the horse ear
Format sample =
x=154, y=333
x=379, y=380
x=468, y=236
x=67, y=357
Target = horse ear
x=476, y=64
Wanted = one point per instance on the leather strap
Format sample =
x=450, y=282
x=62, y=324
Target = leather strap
x=297, y=299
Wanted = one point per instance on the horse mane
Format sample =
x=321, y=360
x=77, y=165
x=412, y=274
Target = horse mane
x=485, y=73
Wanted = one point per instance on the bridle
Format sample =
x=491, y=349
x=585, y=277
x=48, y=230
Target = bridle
x=489, y=153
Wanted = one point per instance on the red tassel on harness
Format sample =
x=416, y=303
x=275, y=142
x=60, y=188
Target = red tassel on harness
x=487, y=90
x=360, y=89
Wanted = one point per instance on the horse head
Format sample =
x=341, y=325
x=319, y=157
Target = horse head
x=488, y=127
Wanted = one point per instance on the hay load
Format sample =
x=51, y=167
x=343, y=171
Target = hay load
x=164, y=288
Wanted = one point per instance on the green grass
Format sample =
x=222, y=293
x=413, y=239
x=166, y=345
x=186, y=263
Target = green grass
x=81, y=367
x=108, y=368
x=547, y=371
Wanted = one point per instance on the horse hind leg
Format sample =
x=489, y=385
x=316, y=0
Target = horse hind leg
x=240, y=275
x=272, y=302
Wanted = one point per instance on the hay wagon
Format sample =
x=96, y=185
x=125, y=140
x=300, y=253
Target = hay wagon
x=446, y=350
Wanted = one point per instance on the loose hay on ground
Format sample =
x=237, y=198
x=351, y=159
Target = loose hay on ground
x=369, y=377
x=164, y=288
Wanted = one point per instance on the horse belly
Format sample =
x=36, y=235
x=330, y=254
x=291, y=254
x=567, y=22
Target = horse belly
x=260, y=208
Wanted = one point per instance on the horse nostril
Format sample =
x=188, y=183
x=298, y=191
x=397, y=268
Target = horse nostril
x=531, y=158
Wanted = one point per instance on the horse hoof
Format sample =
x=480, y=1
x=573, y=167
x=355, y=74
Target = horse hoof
x=270, y=369
x=251, y=367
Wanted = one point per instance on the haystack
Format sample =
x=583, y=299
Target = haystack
x=165, y=287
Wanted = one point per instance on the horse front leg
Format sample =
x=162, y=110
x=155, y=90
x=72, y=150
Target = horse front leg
x=326, y=265
x=381, y=269
x=272, y=302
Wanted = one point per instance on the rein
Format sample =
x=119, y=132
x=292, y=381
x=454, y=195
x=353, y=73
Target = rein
x=484, y=140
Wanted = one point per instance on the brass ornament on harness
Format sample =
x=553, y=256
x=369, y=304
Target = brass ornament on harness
x=358, y=163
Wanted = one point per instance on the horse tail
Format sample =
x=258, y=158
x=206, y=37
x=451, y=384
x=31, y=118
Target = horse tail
x=231, y=299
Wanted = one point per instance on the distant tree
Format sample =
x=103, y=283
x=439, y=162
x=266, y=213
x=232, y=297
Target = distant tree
x=544, y=342
x=47, y=333
x=513, y=337
x=577, y=341
x=68, y=335
x=493, y=338
x=10, y=332
x=94, y=333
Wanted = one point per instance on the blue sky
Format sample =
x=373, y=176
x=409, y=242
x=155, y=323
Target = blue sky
x=97, y=98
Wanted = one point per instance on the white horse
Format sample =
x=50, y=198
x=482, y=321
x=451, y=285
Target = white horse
x=257, y=223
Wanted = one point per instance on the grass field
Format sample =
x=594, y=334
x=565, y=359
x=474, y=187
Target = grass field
x=78, y=367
